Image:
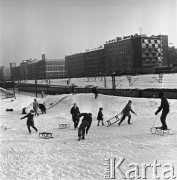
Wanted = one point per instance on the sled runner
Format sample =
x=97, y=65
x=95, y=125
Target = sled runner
x=45, y=135
x=63, y=126
x=160, y=131
x=114, y=119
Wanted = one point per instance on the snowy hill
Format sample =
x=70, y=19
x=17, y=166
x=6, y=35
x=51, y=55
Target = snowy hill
x=26, y=156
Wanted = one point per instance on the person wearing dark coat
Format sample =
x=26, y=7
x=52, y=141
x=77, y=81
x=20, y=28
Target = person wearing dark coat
x=30, y=121
x=42, y=108
x=126, y=112
x=85, y=125
x=100, y=117
x=165, y=110
x=73, y=89
x=95, y=91
x=75, y=115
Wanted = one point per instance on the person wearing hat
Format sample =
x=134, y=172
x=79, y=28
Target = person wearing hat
x=100, y=116
x=85, y=125
x=75, y=115
x=30, y=121
x=165, y=110
x=126, y=112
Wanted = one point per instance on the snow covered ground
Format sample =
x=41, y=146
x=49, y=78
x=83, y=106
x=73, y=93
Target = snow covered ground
x=28, y=157
x=141, y=82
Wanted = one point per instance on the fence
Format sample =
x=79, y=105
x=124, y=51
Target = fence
x=146, y=93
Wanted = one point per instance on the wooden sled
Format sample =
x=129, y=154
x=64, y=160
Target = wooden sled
x=114, y=119
x=64, y=126
x=45, y=135
x=160, y=131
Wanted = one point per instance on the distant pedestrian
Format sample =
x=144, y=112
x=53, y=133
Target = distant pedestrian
x=126, y=112
x=75, y=115
x=165, y=110
x=100, y=116
x=85, y=125
x=73, y=89
x=30, y=121
x=42, y=94
x=35, y=107
x=95, y=91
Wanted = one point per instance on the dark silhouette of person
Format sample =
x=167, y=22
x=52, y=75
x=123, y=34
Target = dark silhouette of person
x=85, y=125
x=95, y=91
x=165, y=110
x=75, y=115
x=30, y=121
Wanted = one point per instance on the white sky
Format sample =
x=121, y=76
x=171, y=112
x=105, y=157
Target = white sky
x=30, y=28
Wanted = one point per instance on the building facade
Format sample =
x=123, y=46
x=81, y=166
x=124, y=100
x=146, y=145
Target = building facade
x=1, y=73
x=55, y=68
x=94, y=62
x=119, y=56
x=74, y=65
x=147, y=53
x=16, y=73
x=7, y=73
x=32, y=70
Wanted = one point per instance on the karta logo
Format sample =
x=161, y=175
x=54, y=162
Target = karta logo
x=113, y=170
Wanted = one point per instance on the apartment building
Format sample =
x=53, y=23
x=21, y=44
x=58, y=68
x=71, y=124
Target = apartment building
x=94, y=62
x=74, y=65
x=119, y=55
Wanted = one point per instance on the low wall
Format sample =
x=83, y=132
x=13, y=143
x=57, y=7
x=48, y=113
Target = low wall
x=146, y=93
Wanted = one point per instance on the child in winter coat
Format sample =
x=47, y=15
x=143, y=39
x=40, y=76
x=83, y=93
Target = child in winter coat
x=165, y=110
x=95, y=91
x=75, y=115
x=35, y=107
x=126, y=112
x=85, y=125
x=100, y=116
x=30, y=121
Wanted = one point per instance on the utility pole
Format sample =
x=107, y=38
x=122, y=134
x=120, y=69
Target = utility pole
x=113, y=82
x=104, y=80
x=12, y=80
x=36, y=87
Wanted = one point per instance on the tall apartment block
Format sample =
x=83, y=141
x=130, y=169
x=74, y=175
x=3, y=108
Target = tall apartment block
x=94, y=62
x=75, y=65
x=135, y=53
x=118, y=55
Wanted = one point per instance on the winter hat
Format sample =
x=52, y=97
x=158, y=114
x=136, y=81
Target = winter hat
x=90, y=114
x=130, y=101
x=161, y=94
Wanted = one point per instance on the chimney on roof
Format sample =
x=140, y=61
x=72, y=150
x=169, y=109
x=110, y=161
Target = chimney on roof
x=43, y=56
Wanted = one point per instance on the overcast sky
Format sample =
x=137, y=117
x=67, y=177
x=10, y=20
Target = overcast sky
x=30, y=28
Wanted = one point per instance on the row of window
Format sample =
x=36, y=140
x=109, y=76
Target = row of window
x=152, y=50
x=151, y=46
x=121, y=45
x=151, y=41
x=55, y=62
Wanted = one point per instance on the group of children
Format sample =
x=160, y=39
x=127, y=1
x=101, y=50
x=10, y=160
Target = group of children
x=87, y=117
